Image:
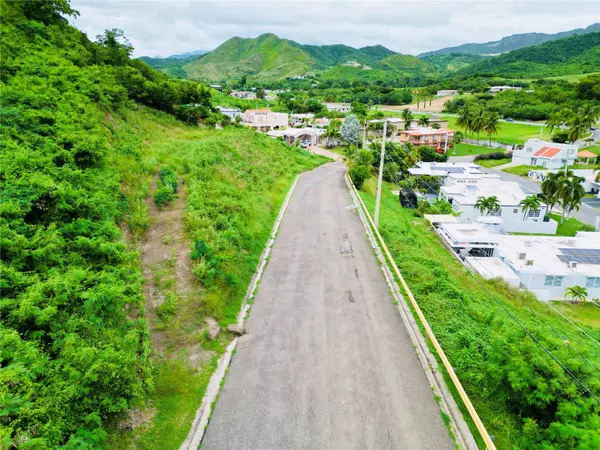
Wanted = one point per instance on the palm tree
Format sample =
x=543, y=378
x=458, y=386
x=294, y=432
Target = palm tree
x=578, y=129
x=423, y=121
x=490, y=124
x=332, y=133
x=550, y=187
x=589, y=114
x=464, y=118
x=555, y=120
x=570, y=193
x=531, y=203
x=436, y=126
x=487, y=205
x=407, y=117
x=577, y=293
x=478, y=121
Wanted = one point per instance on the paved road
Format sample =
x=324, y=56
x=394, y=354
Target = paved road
x=327, y=363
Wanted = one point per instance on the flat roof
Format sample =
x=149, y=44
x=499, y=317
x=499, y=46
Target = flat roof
x=465, y=233
x=426, y=131
x=441, y=218
x=490, y=268
x=509, y=193
x=546, y=253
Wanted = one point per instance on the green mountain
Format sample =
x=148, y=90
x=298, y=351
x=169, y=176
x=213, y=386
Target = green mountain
x=452, y=62
x=509, y=43
x=270, y=58
x=172, y=65
x=572, y=55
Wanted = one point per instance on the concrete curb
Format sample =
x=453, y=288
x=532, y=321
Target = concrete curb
x=202, y=417
x=459, y=427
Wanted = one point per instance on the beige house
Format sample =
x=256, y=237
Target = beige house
x=264, y=119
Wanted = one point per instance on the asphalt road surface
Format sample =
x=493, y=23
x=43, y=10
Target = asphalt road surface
x=327, y=362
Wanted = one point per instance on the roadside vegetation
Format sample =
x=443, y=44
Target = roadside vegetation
x=524, y=398
x=80, y=351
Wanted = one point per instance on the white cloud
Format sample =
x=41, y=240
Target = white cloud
x=161, y=28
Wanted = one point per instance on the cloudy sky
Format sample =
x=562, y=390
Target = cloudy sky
x=164, y=27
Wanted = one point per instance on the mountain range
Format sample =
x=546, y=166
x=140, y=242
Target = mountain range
x=268, y=59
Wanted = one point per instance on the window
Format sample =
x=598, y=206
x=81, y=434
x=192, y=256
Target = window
x=515, y=211
x=553, y=281
x=533, y=213
x=529, y=149
x=593, y=282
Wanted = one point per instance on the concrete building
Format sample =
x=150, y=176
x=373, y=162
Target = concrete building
x=244, y=94
x=338, y=107
x=439, y=139
x=301, y=119
x=217, y=87
x=264, y=119
x=446, y=92
x=445, y=169
x=546, y=154
x=232, y=113
x=463, y=192
x=590, y=185
x=374, y=131
x=496, y=89
x=544, y=265
x=293, y=135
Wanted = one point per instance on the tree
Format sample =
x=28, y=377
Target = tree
x=350, y=130
x=550, y=187
x=115, y=50
x=332, y=133
x=436, y=126
x=556, y=120
x=359, y=109
x=589, y=114
x=487, y=205
x=478, y=120
x=407, y=117
x=577, y=293
x=531, y=203
x=570, y=193
x=358, y=175
x=464, y=119
x=260, y=93
x=423, y=121
x=490, y=124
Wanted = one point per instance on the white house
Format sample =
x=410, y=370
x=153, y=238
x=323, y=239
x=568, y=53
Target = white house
x=546, y=154
x=544, y=265
x=300, y=119
x=292, y=135
x=232, y=113
x=338, y=107
x=590, y=184
x=264, y=119
x=445, y=169
x=463, y=193
x=496, y=89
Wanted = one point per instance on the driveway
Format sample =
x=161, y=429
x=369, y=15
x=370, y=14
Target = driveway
x=592, y=202
x=327, y=362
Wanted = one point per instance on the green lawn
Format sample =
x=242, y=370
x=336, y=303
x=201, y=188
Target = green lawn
x=570, y=226
x=582, y=312
x=500, y=368
x=592, y=148
x=508, y=133
x=489, y=163
x=522, y=171
x=463, y=149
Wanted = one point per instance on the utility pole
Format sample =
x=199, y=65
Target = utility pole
x=365, y=134
x=380, y=179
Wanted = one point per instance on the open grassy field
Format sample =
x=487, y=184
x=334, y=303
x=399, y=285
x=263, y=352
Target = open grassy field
x=587, y=312
x=233, y=182
x=508, y=133
x=572, y=78
x=521, y=171
x=463, y=149
x=489, y=163
x=501, y=368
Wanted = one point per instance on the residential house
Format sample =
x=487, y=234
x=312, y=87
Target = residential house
x=445, y=169
x=232, y=113
x=338, y=107
x=399, y=124
x=446, y=92
x=244, y=94
x=496, y=89
x=217, y=87
x=264, y=119
x=437, y=138
x=293, y=135
x=463, y=192
x=301, y=119
x=550, y=155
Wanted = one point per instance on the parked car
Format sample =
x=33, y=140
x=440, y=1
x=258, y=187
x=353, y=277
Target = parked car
x=593, y=128
x=509, y=119
x=305, y=144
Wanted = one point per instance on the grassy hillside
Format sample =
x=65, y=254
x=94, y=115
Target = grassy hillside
x=524, y=398
x=171, y=66
x=452, y=62
x=80, y=349
x=573, y=55
x=509, y=43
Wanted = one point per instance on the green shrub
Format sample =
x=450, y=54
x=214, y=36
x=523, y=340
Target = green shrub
x=166, y=187
x=358, y=175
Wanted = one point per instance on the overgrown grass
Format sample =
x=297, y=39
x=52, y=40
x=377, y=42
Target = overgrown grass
x=234, y=181
x=500, y=367
x=470, y=149
x=587, y=312
x=489, y=163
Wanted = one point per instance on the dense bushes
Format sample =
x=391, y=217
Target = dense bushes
x=359, y=174
x=166, y=187
x=493, y=155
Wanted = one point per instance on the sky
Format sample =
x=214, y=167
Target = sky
x=166, y=27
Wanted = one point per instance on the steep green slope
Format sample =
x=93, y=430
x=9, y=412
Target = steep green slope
x=509, y=43
x=171, y=66
x=332, y=55
x=78, y=156
x=265, y=58
x=577, y=54
x=452, y=62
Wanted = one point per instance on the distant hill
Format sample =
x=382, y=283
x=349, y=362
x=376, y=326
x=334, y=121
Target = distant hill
x=172, y=65
x=452, y=62
x=572, y=55
x=509, y=43
x=188, y=54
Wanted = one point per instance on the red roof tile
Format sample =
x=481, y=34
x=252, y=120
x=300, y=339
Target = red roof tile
x=547, y=152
